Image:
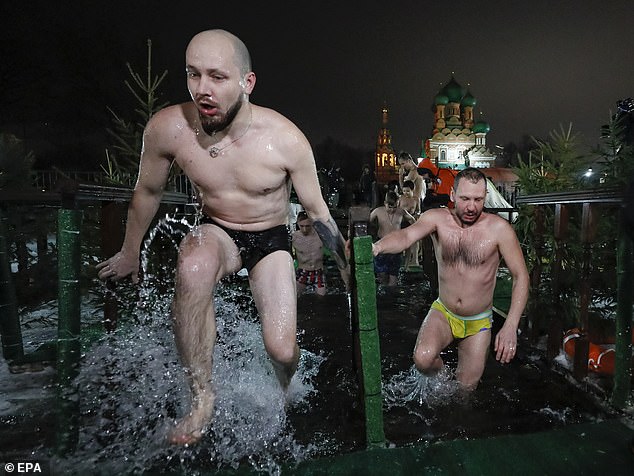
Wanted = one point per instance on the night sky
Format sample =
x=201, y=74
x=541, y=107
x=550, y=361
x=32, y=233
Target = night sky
x=328, y=66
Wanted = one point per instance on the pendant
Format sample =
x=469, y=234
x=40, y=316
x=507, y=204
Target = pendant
x=213, y=152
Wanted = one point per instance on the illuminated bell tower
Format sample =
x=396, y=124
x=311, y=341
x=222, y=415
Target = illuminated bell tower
x=386, y=166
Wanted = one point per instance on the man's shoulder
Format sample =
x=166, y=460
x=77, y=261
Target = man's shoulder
x=172, y=115
x=437, y=213
x=271, y=118
x=496, y=222
x=168, y=127
x=281, y=130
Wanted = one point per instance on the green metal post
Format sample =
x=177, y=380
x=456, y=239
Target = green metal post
x=623, y=361
x=368, y=340
x=10, y=330
x=68, y=332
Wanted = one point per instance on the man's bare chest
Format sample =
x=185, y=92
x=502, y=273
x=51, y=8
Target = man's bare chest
x=243, y=169
x=468, y=247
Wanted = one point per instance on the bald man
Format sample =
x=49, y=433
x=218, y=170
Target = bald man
x=245, y=212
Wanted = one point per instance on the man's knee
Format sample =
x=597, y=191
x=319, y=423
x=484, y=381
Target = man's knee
x=196, y=269
x=425, y=359
x=199, y=264
x=283, y=353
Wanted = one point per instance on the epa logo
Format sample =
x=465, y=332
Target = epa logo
x=23, y=467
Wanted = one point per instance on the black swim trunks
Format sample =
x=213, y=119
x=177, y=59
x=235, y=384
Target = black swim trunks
x=255, y=245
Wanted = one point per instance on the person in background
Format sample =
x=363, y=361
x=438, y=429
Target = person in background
x=310, y=256
x=469, y=246
x=245, y=213
x=366, y=183
x=388, y=218
x=409, y=171
x=412, y=206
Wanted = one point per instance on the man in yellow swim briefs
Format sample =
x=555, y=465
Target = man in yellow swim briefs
x=469, y=246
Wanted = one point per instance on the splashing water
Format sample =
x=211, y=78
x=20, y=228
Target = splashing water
x=563, y=415
x=412, y=386
x=132, y=388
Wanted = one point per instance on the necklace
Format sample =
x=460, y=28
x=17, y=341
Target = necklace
x=214, y=151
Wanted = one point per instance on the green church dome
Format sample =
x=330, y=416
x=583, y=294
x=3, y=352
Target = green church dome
x=453, y=90
x=441, y=99
x=481, y=126
x=468, y=100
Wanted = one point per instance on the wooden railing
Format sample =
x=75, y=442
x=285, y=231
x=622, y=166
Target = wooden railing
x=51, y=180
x=591, y=203
x=70, y=200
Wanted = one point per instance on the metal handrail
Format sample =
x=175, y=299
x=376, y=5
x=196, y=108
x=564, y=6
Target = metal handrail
x=604, y=195
x=85, y=193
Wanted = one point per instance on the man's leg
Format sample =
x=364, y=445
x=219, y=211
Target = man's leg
x=394, y=267
x=320, y=291
x=205, y=256
x=320, y=282
x=414, y=255
x=472, y=354
x=411, y=256
x=300, y=281
x=434, y=335
x=276, y=302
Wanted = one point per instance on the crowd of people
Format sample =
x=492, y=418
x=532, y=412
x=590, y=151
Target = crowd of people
x=403, y=203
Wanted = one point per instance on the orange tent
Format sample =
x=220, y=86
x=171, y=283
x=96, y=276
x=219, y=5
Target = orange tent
x=445, y=176
x=426, y=163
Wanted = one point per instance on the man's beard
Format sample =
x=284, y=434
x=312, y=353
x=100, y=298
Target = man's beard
x=211, y=128
x=462, y=220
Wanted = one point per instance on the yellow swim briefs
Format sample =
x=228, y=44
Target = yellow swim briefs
x=461, y=326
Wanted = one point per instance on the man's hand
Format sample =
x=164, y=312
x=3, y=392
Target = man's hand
x=505, y=344
x=118, y=267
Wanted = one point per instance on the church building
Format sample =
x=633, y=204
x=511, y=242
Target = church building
x=385, y=160
x=457, y=139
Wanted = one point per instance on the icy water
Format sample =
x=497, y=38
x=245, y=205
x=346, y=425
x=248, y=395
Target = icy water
x=132, y=388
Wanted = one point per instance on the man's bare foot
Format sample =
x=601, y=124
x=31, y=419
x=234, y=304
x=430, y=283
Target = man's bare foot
x=190, y=429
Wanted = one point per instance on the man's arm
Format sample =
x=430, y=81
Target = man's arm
x=408, y=216
x=373, y=225
x=423, y=188
x=304, y=177
x=506, y=339
x=400, y=240
x=153, y=173
x=332, y=239
x=401, y=176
